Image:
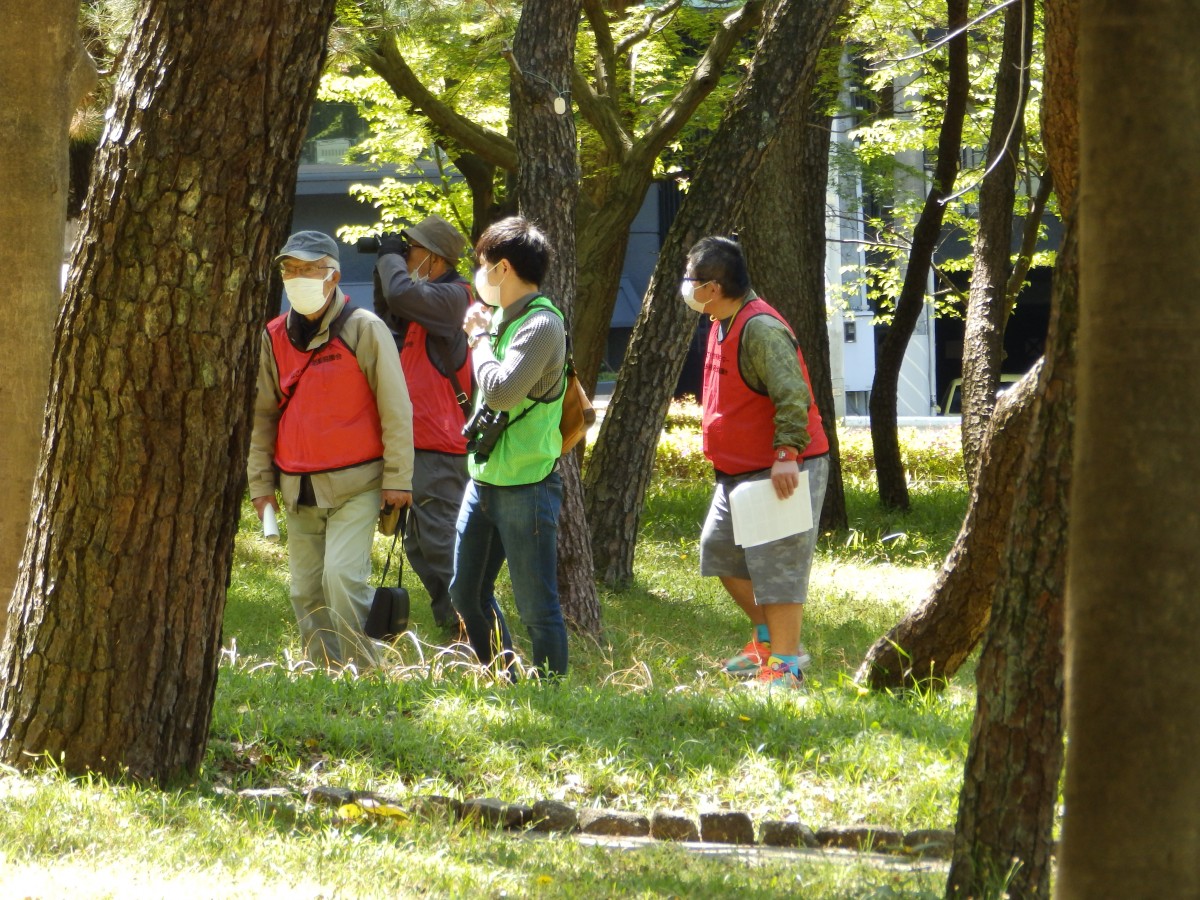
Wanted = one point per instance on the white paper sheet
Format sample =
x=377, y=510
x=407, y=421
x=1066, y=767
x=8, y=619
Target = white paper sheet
x=759, y=516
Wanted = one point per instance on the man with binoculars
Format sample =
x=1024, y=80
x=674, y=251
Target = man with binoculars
x=423, y=300
x=511, y=507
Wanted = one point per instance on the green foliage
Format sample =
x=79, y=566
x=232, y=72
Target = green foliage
x=456, y=51
x=901, y=94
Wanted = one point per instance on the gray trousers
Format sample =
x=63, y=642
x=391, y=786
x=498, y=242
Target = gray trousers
x=439, y=481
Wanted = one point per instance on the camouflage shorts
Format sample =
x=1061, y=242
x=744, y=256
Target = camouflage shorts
x=779, y=570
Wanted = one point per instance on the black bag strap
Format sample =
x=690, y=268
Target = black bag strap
x=400, y=526
x=461, y=396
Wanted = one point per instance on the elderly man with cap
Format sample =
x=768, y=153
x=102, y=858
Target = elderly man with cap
x=423, y=300
x=333, y=434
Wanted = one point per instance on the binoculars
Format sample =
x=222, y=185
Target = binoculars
x=370, y=243
x=484, y=430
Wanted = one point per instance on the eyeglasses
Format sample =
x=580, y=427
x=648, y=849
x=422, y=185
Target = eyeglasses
x=309, y=270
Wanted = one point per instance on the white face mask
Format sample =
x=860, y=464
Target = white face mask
x=306, y=295
x=688, y=290
x=488, y=293
x=417, y=275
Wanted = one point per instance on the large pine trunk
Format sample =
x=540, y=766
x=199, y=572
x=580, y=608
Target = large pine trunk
x=885, y=442
x=41, y=51
x=109, y=659
x=987, y=306
x=623, y=459
x=547, y=192
x=1010, y=785
x=785, y=252
x=1132, y=823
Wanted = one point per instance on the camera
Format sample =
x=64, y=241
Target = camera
x=370, y=243
x=483, y=430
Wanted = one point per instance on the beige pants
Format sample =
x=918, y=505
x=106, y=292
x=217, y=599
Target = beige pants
x=329, y=555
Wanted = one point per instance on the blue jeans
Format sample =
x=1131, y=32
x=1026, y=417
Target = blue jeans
x=519, y=524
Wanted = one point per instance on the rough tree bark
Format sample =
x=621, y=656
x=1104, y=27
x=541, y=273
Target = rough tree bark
x=785, y=252
x=547, y=191
x=1133, y=673
x=930, y=644
x=44, y=74
x=885, y=442
x=781, y=73
x=1010, y=785
x=987, y=306
x=109, y=659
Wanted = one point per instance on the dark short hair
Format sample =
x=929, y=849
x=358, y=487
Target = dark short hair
x=720, y=260
x=519, y=241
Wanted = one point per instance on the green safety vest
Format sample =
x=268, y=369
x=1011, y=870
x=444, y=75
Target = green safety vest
x=530, y=445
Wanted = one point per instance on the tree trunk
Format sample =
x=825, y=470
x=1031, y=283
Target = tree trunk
x=889, y=467
x=622, y=461
x=109, y=659
x=42, y=50
x=785, y=249
x=1010, y=786
x=547, y=192
x=930, y=644
x=1132, y=826
x=987, y=307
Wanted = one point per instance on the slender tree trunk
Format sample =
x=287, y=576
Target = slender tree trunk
x=1132, y=824
x=109, y=659
x=1010, y=786
x=622, y=460
x=932, y=642
x=889, y=467
x=785, y=249
x=987, y=307
x=547, y=192
x=42, y=77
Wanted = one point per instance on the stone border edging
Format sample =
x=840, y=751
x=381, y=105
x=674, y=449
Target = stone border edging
x=717, y=827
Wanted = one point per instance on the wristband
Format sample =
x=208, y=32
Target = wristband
x=786, y=454
x=475, y=337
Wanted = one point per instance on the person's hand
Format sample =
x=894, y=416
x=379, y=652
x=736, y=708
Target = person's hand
x=261, y=503
x=396, y=499
x=393, y=243
x=785, y=475
x=478, y=318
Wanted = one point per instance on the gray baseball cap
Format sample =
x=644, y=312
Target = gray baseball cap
x=437, y=235
x=309, y=246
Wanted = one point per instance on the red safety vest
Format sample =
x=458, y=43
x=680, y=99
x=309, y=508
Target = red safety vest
x=437, y=418
x=739, y=422
x=330, y=419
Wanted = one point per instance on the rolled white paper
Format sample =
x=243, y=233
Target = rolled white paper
x=270, y=524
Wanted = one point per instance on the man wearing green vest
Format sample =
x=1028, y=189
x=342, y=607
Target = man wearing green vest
x=511, y=506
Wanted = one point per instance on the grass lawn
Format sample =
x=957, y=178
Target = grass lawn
x=645, y=721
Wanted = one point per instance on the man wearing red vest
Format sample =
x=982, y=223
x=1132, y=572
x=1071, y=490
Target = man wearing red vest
x=333, y=433
x=423, y=300
x=760, y=422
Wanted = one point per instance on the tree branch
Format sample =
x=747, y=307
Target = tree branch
x=1029, y=237
x=601, y=114
x=701, y=83
x=386, y=60
x=606, y=51
x=663, y=12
